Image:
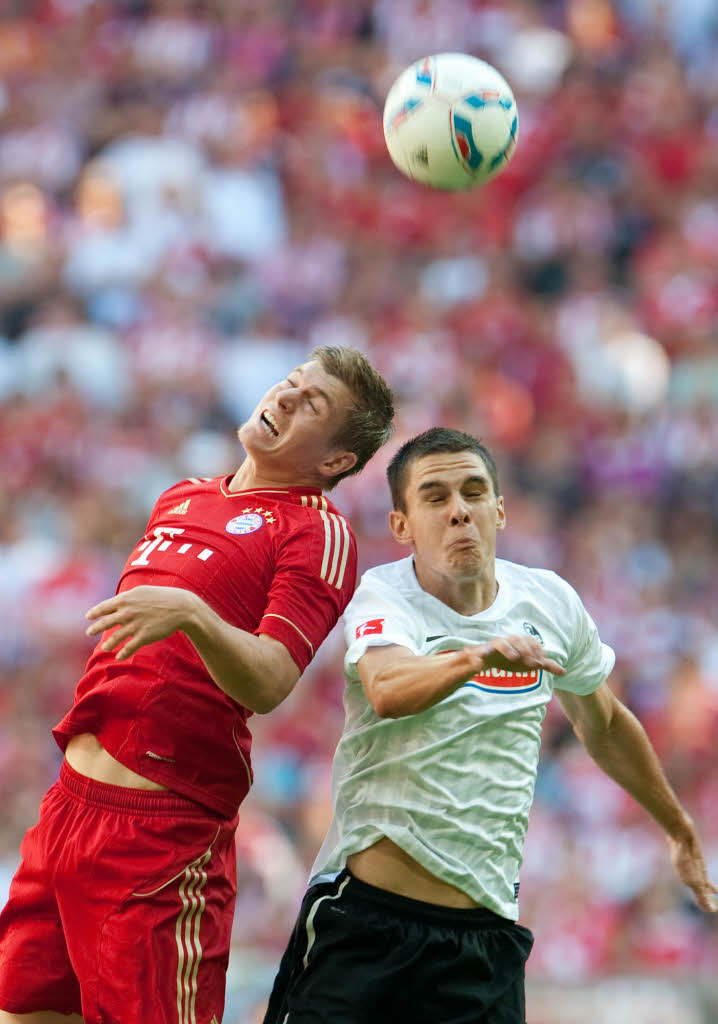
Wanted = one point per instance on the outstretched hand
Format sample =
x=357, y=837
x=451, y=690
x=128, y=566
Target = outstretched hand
x=140, y=616
x=689, y=865
x=517, y=654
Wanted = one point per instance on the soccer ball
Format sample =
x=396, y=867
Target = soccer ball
x=450, y=121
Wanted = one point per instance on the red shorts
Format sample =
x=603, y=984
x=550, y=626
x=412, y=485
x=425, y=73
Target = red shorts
x=121, y=909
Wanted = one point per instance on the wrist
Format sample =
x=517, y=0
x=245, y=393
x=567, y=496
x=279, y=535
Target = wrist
x=681, y=828
x=469, y=661
x=192, y=614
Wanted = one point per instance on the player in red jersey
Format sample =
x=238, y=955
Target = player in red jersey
x=121, y=909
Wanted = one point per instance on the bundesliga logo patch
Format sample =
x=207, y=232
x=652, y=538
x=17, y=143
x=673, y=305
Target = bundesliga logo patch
x=370, y=627
x=247, y=523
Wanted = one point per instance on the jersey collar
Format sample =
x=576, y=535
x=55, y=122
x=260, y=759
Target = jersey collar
x=495, y=610
x=310, y=497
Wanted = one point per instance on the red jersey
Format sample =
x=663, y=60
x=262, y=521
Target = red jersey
x=281, y=562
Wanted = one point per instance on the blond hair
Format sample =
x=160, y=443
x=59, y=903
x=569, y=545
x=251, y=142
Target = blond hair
x=368, y=421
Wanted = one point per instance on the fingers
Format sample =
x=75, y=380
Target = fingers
x=690, y=866
x=108, y=614
x=130, y=647
x=704, y=892
x=103, y=608
x=705, y=897
x=519, y=652
x=106, y=622
x=136, y=640
x=117, y=637
x=533, y=654
x=508, y=646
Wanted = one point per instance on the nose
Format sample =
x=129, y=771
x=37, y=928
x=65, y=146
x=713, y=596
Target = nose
x=287, y=398
x=459, y=511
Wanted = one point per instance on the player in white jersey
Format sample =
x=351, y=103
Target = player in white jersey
x=452, y=657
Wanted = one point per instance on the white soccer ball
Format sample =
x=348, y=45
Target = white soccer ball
x=450, y=121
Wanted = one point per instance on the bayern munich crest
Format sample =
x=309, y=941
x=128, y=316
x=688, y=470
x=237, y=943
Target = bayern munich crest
x=247, y=523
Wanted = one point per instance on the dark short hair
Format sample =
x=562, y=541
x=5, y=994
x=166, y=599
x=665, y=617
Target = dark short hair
x=368, y=422
x=434, y=442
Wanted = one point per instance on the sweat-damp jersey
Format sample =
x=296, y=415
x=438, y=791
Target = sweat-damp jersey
x=453, y=785
x=280, y=562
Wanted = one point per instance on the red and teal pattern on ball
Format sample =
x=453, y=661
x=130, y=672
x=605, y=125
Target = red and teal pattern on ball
x=462, y=135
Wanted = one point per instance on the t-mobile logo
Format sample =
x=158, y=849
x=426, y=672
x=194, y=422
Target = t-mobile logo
x=163, y=537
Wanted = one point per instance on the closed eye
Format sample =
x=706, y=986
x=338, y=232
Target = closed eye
x=312, y=406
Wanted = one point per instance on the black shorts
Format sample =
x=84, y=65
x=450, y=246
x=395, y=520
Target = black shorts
x=361, y=955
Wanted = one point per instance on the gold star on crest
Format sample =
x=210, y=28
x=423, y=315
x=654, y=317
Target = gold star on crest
x=268, y=517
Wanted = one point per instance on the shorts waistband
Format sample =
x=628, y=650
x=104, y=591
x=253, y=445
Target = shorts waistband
x=467, y=917
x=124, y=799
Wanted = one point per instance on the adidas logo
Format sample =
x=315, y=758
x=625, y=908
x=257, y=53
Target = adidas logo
x=180, y=510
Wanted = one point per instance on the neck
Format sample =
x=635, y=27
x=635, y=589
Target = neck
x=251, y=477
x=467, y=596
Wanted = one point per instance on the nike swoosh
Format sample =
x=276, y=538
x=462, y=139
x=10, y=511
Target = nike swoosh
x=439, y=636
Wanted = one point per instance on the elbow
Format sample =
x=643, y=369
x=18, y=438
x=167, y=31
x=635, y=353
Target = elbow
x=265, y=702
x=379, y=698
x=261, y=700
x=258, y=704
x=263, y=706
x=602, y=733
x=384, y=708
x=267, y=699
x=588, y=738
x=383, y=699
x=378, y=692
x=595, y=740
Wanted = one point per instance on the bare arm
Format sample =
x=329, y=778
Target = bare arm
x=618, y=744
x=398, y=682
x=257, y=671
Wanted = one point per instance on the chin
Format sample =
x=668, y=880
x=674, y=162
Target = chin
x=466, y=563
x=252, y=439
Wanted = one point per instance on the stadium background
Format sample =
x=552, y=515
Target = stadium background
x=192, y=195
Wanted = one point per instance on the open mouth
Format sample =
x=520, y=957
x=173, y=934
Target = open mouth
x=269, y=424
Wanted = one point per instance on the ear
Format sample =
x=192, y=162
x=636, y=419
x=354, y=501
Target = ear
x=400, y=527
x=336, y=463
x=500, y=513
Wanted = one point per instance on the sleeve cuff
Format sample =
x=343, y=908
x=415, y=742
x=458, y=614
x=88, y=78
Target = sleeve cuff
x=284, y=630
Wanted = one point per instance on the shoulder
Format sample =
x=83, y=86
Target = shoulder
x=320, y=530
x=390, y=582
x=314, y=513
x=319, y=539
x=531, y=577
x=191, y=484
x=541, y=586
x=396, y=575
x=381, y=611
x=181, y=491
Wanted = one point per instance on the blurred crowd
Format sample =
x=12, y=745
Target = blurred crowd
x=193, y=193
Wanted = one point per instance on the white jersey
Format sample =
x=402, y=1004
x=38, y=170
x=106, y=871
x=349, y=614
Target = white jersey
x=453, y=785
